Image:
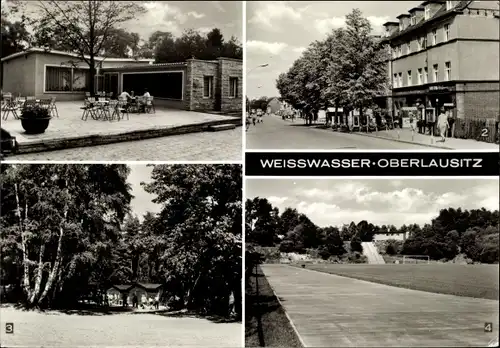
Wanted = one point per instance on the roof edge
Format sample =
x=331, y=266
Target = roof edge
x=70, y=54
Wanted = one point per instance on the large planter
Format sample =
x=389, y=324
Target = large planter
x=35, y=125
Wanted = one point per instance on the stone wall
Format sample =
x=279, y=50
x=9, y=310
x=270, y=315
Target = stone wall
x=230, y=68
x=197, y=70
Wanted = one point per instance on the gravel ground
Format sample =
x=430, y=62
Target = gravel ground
x=54, y=329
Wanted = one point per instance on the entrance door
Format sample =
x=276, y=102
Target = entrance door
x=111, y=84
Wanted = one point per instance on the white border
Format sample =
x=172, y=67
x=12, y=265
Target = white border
x=154, y=72
x=243, y=148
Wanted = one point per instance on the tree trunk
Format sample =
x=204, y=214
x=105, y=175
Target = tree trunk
x=39, y=275
x=26, y=275
x=55, y=268
x=93, y=87
x=189, y=297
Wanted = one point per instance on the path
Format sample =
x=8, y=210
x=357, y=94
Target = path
x=335, y=311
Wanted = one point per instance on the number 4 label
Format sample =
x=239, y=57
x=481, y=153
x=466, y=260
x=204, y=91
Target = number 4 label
x=488, y=327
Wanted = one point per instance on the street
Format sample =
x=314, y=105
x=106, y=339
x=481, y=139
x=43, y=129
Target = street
x=204, y=146
x=274, y=133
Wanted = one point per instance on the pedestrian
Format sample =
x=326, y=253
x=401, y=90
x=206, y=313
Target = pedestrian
x=231, y=304
x=135, y=301
x=442, y=124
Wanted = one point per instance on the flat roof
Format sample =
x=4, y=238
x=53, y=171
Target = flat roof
x=148, y=66
x=75, y=55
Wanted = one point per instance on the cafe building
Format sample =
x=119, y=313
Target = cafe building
x=444, y=55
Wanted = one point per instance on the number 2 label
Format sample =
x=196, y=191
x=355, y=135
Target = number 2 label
x=484, y=132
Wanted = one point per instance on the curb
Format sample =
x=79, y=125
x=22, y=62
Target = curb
x=93, y=140
x=404, y=141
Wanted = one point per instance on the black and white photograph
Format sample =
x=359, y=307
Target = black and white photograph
x=372, y=263
x=122, y=80
x=103, y=255
x=372, y=75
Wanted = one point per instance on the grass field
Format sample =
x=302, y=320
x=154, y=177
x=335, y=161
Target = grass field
x=266, y=324
x=479, y=281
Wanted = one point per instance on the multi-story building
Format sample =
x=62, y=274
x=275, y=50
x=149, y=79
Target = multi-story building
x=445, y=55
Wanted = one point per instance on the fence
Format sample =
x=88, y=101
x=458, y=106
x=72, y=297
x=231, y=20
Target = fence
x=480, y=130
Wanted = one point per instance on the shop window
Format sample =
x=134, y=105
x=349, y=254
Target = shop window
x=408, y=48
x=426, y=75
x=400, y=76
x=409, y=78
x=419, y=76
x=208, y=86
x=233, y=87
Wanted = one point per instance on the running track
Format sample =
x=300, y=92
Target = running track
x=334, y=311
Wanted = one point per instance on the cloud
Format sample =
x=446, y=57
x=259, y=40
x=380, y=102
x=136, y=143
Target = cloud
x=268, y=12
x=218, y=6
x=205, y=30
x=299, y=49
x=324, y=26
x=266, y=47
x=196, y=14
x=277, y=200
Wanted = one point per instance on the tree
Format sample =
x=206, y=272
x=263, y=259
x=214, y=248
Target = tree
x=201, y=220
x=262, y=221
x=64, y=220
x=84, y=28
x=15, y=37
x=332, y=241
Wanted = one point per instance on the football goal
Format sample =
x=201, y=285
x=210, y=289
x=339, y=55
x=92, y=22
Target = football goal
x=416, y=259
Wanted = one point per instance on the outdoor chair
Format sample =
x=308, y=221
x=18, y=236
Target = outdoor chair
x=53, y=108
x=150, y=105
x=88, y=109
x=121, y=108
x=9, y=107
x=45, y=104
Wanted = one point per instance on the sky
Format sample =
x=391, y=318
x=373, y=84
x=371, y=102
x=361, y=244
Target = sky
x=177, y=16
x=334, y=202
x=278, y=32
x=142, y=201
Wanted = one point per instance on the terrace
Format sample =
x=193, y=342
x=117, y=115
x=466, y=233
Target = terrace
x=70, y=130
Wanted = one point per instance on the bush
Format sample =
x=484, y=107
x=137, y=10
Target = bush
x=390, y=249
x=34, y=111
x=324, y=253
x=356, y=245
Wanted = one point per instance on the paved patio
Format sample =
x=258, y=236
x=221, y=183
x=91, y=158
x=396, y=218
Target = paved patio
x=69, y=130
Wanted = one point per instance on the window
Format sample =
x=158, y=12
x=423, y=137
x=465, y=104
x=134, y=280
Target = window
x=419, y=76
x=413, y=19
x=65, y=79
x=419, y=43
x=447, y=71
x=409, y=78
x=435, y=72
x=233, y=87
x=426, y=75
x=449, y=5
x=395, y=82
x=395, y=53
x=425, y=42
x=400, y=51
x=208, y=86
x=427, y=12
x=408, y=48
x=400, y=75
x=434, y=37
x=446, y=32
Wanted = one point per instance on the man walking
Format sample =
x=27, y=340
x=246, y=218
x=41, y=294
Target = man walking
x=442, y=124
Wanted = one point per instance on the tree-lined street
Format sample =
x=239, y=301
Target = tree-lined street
x=274, y=133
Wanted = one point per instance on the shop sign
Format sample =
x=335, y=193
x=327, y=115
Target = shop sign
x=409, y=108
x=449, y=105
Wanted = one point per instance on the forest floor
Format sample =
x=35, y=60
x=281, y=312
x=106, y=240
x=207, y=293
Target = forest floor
x=56, y=329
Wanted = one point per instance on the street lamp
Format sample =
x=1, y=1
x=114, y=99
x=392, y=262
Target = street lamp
x=258, y=66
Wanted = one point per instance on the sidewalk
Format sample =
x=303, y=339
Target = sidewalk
x=406, y=136
x=69, y=130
